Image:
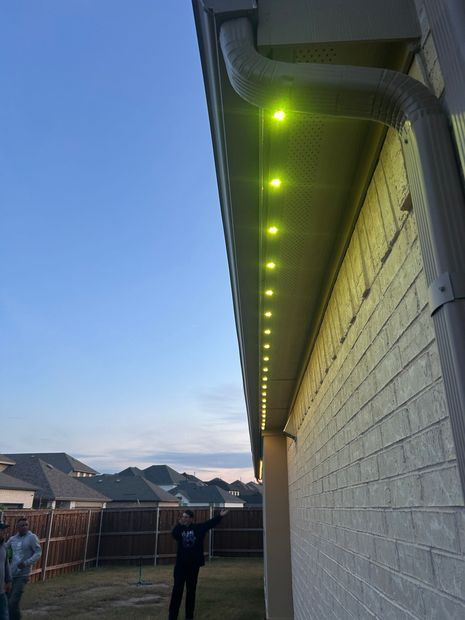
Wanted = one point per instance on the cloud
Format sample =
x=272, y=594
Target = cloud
x=225, y=400
x=210, y=460
x=229, y=466
x=209, y=436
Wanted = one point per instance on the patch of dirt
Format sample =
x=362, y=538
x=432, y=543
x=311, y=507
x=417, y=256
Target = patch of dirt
x=40, y=611
x=141, y=600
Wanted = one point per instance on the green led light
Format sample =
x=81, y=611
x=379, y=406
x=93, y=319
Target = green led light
x=279, y=115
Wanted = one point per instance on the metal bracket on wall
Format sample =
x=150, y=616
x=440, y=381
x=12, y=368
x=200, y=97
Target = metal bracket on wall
x=446, y=288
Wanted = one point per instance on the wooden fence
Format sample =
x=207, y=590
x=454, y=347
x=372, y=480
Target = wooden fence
x=79, y=539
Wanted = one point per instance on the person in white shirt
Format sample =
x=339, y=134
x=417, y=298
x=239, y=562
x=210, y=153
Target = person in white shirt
x=25, y=551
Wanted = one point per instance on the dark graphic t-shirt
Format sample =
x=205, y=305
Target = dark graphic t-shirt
x=190, y=541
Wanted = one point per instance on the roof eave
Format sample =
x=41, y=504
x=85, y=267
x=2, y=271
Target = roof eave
x=207, y=23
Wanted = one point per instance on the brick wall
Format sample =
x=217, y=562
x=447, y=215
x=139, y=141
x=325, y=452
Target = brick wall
x=377, y=517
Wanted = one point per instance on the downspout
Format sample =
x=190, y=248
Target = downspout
x=406, y=105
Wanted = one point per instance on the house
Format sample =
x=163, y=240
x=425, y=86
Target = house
x=192, y=478
x=15, y=493
x=339, y=142
x=131, y=471
x=163, y=476
x=255, y=487
x=54, y=488
x=192, y=494
x=5, y=462
x=130, y=490
x=251, y=493
x=219, y=483
x=60, y=460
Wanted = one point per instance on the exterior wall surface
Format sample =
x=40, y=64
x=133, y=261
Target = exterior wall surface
x=376, y=506
x=23, y=498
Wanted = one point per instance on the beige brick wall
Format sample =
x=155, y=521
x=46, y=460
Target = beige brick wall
x=377, y=512
x=376, y=505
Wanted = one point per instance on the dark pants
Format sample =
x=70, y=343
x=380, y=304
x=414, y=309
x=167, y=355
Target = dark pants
x=14, y=597
x=3, y=605
x=184, y=574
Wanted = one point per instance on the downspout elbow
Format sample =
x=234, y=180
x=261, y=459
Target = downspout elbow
x=380, y=95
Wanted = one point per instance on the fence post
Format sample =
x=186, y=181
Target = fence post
x=156, y=537
x=99, y=537
x=87, y=541
x=47, y=543
x=210, y=536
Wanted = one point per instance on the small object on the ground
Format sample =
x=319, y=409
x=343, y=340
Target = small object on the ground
x=141, y=582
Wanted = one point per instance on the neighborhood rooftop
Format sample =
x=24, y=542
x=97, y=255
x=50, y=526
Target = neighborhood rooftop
x=126, y=488
x=59, y=460
x=52, y=483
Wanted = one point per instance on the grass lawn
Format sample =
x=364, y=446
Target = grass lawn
x=230, y=589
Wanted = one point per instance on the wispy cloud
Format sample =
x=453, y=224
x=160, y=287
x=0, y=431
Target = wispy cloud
x=210, y=438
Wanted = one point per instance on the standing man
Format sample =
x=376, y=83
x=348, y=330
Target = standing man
x=5, y=576
x=189, y=559
x=26, y=551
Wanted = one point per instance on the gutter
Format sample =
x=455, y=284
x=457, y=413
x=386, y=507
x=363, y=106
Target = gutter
x=207, y=18
x=406, y=105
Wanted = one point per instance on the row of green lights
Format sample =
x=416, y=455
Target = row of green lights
x=275, y=183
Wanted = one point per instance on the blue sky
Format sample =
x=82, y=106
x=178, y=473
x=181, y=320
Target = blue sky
x=117, y=335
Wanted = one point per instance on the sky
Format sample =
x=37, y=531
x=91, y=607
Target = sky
x=117, y=337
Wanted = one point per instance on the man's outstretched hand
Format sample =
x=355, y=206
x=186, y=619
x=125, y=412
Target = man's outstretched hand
x=223, y=512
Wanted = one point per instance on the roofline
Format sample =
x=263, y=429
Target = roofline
x=206, y=24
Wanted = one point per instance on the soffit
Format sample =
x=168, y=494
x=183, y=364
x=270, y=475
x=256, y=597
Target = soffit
x=325, y=165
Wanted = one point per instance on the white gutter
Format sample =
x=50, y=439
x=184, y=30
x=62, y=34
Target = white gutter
x=406, y=105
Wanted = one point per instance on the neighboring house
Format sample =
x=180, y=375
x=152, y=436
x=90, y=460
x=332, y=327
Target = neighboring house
x=253, y=500
x=5, y=462
x=15, y=493
x=131, y=471
x=130, y=490
x=163, y=476
x=339, y=141
x=250, y=493
x=218, y=482
x=60, y=460
x=55, y=489
x=192, y=478
x=192, y=494
x=255, y=487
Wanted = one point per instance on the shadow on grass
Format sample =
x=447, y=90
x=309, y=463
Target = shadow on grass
x=229, y=589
